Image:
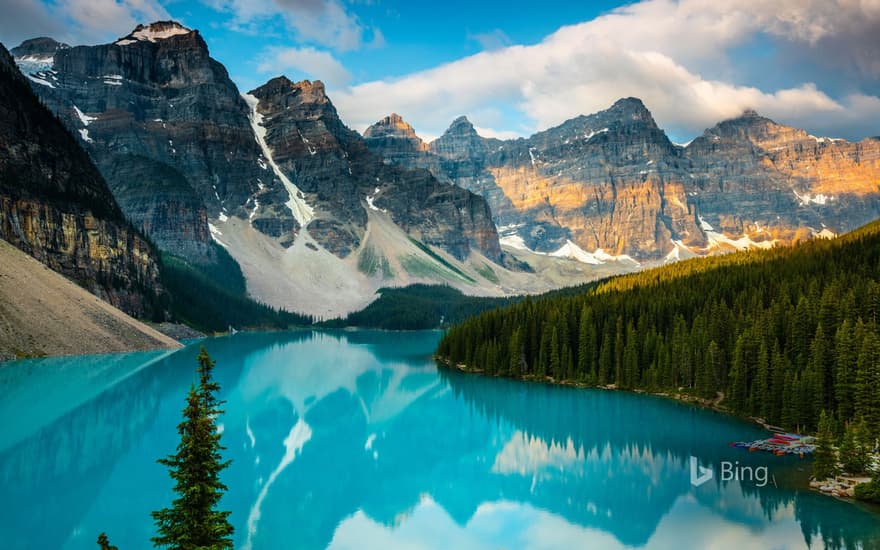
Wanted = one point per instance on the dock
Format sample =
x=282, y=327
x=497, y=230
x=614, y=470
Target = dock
x=780, y=444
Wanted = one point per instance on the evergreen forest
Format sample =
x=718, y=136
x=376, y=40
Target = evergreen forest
x=781, y=334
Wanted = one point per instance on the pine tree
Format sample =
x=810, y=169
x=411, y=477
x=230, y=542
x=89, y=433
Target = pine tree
x=193, y=522
x=855, y=448
x=847, y=355
x=515, y=365
x=867, y=380
x=555, y=355
x=824, y=457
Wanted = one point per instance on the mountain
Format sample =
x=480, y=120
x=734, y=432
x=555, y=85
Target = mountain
x=316, y=220
x=361, y=223
x=168, y=130
x=318, y=217
x=750, y=175
x=340, y=176
x=614, y=184
x=56, y=207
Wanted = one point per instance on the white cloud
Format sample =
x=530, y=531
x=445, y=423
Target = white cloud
x=493, y=133
x=321, y=22
x=78, y=21
x=678, y=56
x=313, y=63
x=23, y=19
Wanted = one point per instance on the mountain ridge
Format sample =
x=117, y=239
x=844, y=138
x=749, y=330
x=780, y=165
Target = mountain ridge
x=258, y=172
x=192, y=160
x=543, y=188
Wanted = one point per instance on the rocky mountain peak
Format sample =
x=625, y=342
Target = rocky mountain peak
x=630, y=108
x=392, y=125
x=751, y=127
x=461, y=126
x=283, y=90
x=395, y=139
x=154, y=32
x=38, y=47
x=460, y=140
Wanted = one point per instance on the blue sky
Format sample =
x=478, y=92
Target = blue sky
x=516, y=67
x=415, y=35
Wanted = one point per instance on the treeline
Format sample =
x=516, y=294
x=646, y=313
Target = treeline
x=418, y=307
x=782, y=334
x=213, y=298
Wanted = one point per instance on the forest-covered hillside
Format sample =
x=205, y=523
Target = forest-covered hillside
x=213, y=298
x=781, y=334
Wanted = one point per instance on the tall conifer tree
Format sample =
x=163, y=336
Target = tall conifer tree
x=193, y=521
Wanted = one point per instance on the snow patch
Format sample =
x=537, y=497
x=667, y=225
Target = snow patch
x=679, y=252
x=216, y=234
x=594, y=133
x=84, y=118
x=514, y=241
x=151, y=34
x=826, y=139
x=84, y=134
x=371, y=198
x=297, y=204
x=603, y=256
x=743, y=243
x=574, y=252
x=223, y=217
x=807, y=199
x=29, y=64
x=704, y=225
x=39, y=80
x=569, y=251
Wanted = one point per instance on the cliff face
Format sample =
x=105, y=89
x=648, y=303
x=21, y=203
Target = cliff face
x=180, y=147
x=753, y=176
x=155, y=102
x=55, y=206
x=613, y=181
x=338, y=178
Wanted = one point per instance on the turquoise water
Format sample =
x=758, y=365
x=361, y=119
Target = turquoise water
x=355, y=440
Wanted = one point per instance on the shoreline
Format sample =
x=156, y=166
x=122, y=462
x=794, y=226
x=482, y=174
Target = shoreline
x=707, y=404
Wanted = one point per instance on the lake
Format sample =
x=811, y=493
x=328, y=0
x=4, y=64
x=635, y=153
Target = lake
x=356, y=440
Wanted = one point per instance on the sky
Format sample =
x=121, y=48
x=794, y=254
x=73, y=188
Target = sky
x=515, y=67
